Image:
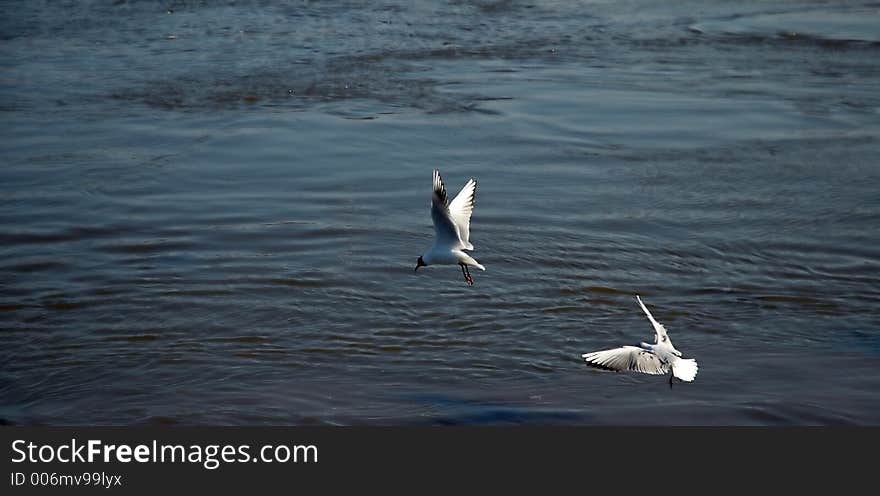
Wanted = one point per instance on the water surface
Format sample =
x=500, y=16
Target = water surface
x=210, y=211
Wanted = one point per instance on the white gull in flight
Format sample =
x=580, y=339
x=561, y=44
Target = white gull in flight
x=658, y=358
x=452, y=229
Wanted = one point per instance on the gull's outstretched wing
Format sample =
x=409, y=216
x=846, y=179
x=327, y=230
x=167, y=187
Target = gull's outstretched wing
x=627, y=358
x=444, y=227
x=658, y=327
x=460, y=210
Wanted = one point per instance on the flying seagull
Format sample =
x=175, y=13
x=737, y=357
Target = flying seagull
x=658, y=358
x=452, y=229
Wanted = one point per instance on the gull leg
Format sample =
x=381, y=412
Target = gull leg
x=670, y=380
x=463, y=273
x=467, y=275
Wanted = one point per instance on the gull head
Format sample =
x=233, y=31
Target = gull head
x=420, y=263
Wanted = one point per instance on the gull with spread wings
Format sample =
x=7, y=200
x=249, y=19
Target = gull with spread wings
x=658, y=358
x=452, y=229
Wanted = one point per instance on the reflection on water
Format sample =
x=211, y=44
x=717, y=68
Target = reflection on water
x=210, y=212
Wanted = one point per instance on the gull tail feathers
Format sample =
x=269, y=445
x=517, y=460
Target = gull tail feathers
x=469, y=260
x=473, y=263
x=685, y=369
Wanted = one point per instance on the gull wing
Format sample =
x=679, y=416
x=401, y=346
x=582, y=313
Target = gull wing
x=627, y=358
x=658, y=327
x=444, y=227
x=460, y=210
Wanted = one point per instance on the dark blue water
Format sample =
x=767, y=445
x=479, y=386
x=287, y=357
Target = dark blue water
x=210, y=211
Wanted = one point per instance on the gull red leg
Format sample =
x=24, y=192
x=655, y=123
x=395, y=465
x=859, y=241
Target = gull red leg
x=467, y=275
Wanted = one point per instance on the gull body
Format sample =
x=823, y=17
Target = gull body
x=452, y=229
x=658, y=358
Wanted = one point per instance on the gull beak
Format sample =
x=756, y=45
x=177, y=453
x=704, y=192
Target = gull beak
x=419, y=263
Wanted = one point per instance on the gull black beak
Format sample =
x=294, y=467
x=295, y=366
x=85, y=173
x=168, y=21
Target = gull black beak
x=419, y=263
